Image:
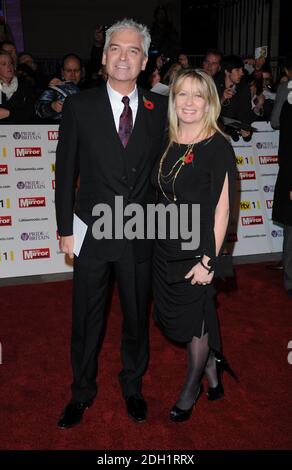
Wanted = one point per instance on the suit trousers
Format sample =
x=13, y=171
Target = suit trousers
x=90, y=294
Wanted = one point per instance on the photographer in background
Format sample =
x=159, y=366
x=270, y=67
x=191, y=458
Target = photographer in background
x=16, y=93
x=212, y=62
x=261, y=104
x=234, y=93
x=282, y=93
x=96, y=52
x=50, y=104
x=155, y=70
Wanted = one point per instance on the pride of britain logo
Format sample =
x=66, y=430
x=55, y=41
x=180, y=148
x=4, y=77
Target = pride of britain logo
x=26, y=135
x=34, y=236
x=269, y=188
x=31, y=185
x=266, y=145
x=277, y=233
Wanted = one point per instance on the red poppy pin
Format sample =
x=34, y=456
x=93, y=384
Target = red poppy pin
x=148, y=104
x=188, y=158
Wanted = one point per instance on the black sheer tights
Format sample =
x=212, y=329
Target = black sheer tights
x=200, y=360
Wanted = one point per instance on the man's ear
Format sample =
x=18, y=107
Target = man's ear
x=103, y=59
x=144, y=62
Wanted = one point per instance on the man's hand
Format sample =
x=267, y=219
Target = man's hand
x=57, y=106
x=56, y=81
x=244, y=133
x=4, y=113
x=290, y=195
x=66, y=245
x=227, y=94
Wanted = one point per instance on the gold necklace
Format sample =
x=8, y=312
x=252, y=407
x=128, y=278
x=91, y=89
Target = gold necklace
x=172, y=175
x=186, y=158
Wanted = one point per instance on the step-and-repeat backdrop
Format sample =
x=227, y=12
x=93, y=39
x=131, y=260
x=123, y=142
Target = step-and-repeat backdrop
x=28, y=233
x=252, y=229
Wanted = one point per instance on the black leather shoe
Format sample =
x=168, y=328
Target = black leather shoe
x=136, y=408
x=72, y=413
x=178, y=415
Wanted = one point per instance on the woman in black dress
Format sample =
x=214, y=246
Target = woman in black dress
x=197, y=167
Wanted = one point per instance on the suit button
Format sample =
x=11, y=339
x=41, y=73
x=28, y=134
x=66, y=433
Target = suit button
x=131, y=187
x=134, y=170
x=124, y=178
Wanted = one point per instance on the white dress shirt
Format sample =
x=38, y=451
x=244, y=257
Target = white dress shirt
x=118, y=106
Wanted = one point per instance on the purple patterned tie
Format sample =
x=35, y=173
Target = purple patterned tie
x=126, y=122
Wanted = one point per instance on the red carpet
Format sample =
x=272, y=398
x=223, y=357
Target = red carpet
x=35, y=375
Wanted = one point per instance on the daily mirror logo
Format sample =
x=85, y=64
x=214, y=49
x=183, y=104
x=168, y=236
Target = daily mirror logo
x=37, y=253
x=3, y=169
x=24, y=152
x=268, y=160
x=252, y=220
x=5, y=220
x=25, y=202
x=53, y=135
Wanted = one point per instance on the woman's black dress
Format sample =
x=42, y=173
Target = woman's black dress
x=183, y=310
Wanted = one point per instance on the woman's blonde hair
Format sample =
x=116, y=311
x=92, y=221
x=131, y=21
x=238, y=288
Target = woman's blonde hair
x=208, y=91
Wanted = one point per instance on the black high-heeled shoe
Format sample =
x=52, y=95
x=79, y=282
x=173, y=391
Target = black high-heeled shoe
x=178, y=415
x=214, y=393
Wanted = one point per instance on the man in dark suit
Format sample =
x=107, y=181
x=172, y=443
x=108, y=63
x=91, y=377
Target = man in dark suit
x=282, y=205
x=110, y=138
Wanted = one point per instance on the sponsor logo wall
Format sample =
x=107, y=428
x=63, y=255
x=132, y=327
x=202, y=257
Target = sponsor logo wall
x=252, y=229
x=28, y=234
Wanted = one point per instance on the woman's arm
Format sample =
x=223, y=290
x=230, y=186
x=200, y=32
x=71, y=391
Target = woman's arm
x=200, y=274
x=222, y=216
x=222, y=193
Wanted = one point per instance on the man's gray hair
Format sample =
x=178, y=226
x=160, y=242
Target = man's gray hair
x=129, y=23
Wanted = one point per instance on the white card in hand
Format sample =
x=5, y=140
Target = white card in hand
x=79, y=232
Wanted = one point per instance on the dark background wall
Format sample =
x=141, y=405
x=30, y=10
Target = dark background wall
x=234, y=26
x=285, y=30
x=199, y=30
x=51, y=28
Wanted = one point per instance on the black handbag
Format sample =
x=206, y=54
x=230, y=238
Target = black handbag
x=177, y=269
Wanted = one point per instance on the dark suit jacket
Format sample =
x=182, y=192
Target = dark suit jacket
x=282, y=206
x=89, y=146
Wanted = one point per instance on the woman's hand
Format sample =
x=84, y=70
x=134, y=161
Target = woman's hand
x=199, y=275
